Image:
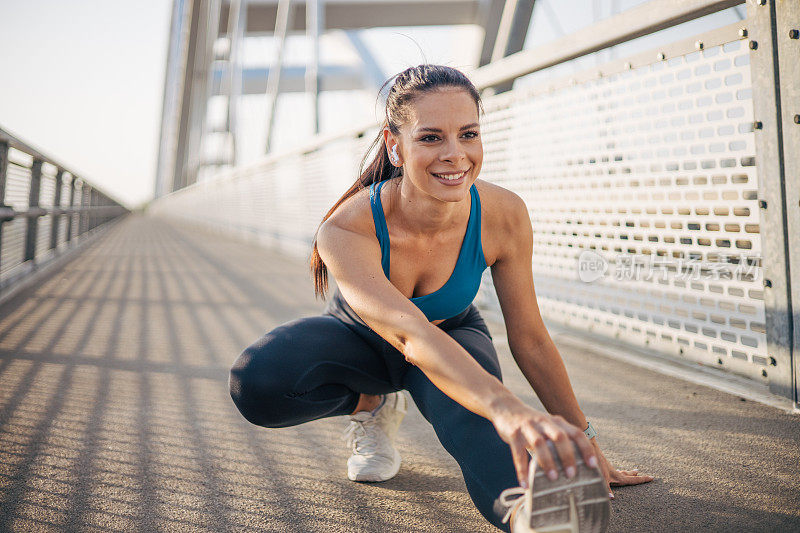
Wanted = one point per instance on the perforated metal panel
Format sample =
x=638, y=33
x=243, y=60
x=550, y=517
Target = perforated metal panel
x=652, y=165
x=279, y=201
x=12, y=252
x=649, y=174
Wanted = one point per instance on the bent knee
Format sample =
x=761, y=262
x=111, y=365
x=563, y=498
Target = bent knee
x=257, y=391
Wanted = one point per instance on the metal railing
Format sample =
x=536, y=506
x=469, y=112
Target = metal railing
x=45, y=209
x=683, y=157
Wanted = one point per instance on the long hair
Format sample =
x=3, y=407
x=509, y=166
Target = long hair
x=407, y=86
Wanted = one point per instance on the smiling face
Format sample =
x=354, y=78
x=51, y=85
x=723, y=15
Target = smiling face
x=439, y=145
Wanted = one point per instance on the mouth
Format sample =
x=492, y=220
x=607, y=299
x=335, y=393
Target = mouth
x=452, y=177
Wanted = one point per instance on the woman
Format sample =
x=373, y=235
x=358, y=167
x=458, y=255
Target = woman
x=407, y=244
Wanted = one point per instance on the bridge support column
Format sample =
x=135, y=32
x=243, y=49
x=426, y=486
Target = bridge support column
x=788, y=33
x=315, y=25
x=774, y=192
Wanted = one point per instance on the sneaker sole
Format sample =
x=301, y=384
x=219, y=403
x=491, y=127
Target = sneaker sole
x=373, y=477
x=577, y=505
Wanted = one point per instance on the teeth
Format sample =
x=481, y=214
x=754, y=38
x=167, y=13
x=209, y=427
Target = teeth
x=450, y=177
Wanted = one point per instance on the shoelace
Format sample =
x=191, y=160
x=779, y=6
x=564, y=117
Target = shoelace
x=507, y=499
x=359, y=438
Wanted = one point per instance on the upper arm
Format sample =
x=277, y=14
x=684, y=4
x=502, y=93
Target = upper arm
x=512, y=275
x=354, y=261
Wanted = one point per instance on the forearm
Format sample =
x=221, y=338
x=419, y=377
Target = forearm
x=544, y=369
x=456, y=373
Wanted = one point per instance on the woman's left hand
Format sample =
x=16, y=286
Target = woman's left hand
x=614, y=477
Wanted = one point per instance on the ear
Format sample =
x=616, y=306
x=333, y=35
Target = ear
x=392, y=147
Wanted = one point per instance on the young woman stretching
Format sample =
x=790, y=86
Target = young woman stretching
x=407, y=244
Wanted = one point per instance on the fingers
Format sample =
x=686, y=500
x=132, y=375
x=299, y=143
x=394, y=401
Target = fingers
x=537, y=442
x=536, y=439
x=604, y=468
x=566, y=441
x=578, y=439
x=521, y=458
x=622, y=479
x=563, y=445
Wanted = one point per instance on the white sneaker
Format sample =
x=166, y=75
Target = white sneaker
x=577, y=505
x=370, y=435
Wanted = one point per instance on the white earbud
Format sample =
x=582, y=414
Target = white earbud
x=394, y=156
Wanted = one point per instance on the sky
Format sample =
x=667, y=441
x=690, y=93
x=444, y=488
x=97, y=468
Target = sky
x=83, y=80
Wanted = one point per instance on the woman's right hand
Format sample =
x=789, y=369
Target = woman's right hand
x=524, y=428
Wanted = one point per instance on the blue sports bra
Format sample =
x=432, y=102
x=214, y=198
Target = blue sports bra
x=460, y=289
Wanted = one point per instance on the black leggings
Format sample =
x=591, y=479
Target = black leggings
x=316, y=367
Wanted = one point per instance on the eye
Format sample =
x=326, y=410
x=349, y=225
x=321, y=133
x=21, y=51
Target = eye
x=423, y=139
x=473, y=133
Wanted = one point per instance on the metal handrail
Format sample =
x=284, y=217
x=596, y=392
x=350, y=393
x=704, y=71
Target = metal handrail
x=11, y=141
x=8, y=213
x=644, y=19
x=90, y=207
x=18, y=144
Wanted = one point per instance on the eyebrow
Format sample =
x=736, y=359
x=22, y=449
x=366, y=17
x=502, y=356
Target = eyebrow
x=437, y=130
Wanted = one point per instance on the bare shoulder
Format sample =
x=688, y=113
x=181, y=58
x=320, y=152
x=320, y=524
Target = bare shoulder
x=497, y=200
x=354, y=215
x=346, y=241
x=504, y=216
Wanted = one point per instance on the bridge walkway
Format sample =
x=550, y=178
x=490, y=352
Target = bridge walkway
x=115, y=413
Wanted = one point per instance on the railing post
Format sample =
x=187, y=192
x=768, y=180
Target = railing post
x=92, y=200
x=771, y=193
x=3, y=173
x=104, y=202
x=83, y=219
x=88, y=220
x=788, y=33
x=36, y=247
x=87, y=223
x=3, y=170
x=33, y=202
x=55, y=220
x=72, y=186
x=98, y=201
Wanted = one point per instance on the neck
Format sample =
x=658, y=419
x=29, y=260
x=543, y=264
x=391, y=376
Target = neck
x=423, y=215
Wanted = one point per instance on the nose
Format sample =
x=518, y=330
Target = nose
x=452, y=151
